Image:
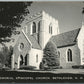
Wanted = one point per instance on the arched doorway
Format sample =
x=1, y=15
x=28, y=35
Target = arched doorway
x=21, y=60
x=27, y=59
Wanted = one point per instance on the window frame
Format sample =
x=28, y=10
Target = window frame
x=70, y=59
x=33, y=26
x=36, y=58
x=50, y=28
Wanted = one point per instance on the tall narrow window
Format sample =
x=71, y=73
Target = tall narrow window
x=38, y=30
x=34, y=27
x=58, y=54
x=50, y=28
x=37, y=58
x=69, y=55
x=26, y=60
x=38, y=26
x=21, y=60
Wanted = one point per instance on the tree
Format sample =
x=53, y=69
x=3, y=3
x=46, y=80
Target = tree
x=8, y=57
x=5, y=55
x=11, y=15
x=50, y=57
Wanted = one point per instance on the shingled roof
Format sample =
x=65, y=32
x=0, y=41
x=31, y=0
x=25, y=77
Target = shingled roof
x=65, y=39
x=34, y=42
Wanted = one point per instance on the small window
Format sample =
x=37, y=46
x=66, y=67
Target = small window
x=21, y=46
x=34, y=27
x=37, y=58
x=69, y=55
x=50, y=28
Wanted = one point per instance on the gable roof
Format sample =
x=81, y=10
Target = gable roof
x=65, y=39
x=32, y=41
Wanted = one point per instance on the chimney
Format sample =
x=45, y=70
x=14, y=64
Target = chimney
x=83, y=17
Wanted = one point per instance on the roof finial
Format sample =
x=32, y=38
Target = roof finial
x=83, y=10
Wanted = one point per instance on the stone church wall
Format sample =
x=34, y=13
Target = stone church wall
x=35, y=57
x=17, y=51
x=75, y=56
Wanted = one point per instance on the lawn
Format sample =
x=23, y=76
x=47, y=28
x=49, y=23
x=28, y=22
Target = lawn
x=58, y=75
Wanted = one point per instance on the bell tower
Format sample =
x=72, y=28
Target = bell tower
x=42, y=26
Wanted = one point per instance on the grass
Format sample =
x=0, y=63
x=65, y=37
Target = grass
x=58, y=73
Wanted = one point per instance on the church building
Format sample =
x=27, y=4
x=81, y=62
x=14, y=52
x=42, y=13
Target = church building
x=37, y=30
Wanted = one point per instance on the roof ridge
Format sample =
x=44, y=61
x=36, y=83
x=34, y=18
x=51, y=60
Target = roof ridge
x=26, y=37
x=66, y=39
x=66, y=32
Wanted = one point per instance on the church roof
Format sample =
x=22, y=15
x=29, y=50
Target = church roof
x=34, y=42
x=65, y=39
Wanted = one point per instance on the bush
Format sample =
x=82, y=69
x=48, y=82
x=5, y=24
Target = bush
x=78, y=66
x=27, y=67
x=41, y=66
x=45, y=67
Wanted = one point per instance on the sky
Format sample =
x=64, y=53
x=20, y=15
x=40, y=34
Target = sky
x=68, y=14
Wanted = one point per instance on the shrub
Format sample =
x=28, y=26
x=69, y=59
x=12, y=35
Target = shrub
x=78, y=66
x=27, y=67
x=50, y=57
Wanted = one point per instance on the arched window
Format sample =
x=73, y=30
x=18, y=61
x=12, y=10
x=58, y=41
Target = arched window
x=26, y=60
x=38, y=30
x=37, y=58
x=58, y=54
x=69, y=55
x=50, y=28
x=38, y=26
x=21, y=60
x=34, y=27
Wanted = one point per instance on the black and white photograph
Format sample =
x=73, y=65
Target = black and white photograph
x=42, y=42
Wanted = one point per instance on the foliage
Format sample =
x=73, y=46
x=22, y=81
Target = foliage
x=11, y=15
x=27, y=67
x=5, y=55
x=50, y=57
x=8, y=57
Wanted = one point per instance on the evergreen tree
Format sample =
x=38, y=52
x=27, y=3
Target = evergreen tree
x=51, y=57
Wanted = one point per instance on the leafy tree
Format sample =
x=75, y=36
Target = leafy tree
x=8, y=57
x=50, y=57
x=11, y=15
x=5, y=55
